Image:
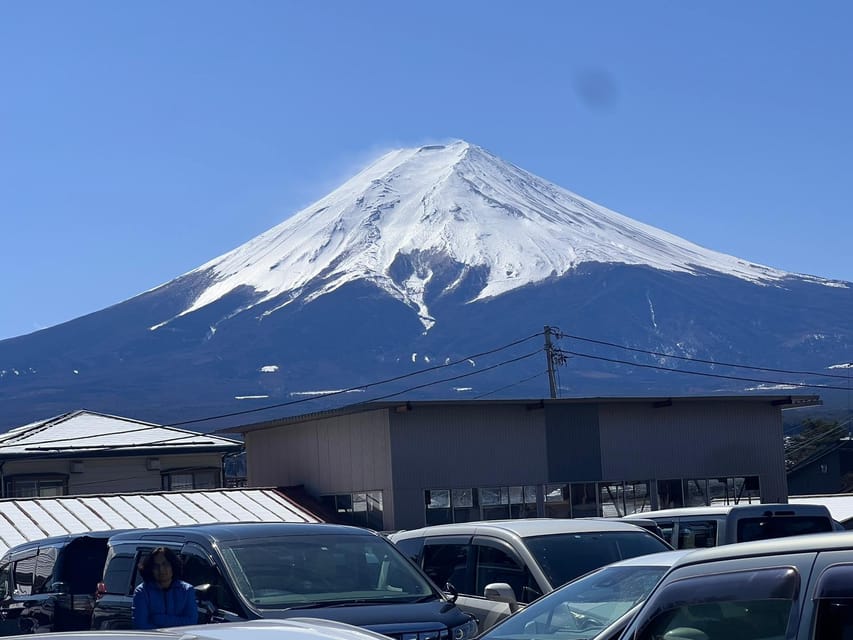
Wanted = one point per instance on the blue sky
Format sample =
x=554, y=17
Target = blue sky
x=141, y=139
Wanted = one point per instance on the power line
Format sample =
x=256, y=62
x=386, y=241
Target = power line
x=188, y=435
x=363, y=386
x=700, y=360
x=509, y=386
x=701, y=373
x=459, y=377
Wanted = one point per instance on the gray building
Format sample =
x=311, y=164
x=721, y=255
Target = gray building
x=402, y=465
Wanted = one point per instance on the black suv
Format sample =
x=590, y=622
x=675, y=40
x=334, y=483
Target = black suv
x=50, y=584
x=283, y=570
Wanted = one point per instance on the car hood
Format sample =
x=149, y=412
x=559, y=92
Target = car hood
x=383, y=618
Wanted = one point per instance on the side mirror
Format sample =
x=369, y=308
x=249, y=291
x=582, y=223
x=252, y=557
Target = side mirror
x=59, y=587
x=501, y=592
x=451, y=591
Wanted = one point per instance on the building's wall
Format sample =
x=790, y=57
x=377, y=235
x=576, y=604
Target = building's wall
x=339, y=454
x=573, y=442
x=694, y=439
x=112, y=475
x=447, y=447
x=812, y=478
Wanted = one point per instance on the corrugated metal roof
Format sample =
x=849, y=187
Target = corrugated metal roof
x=22, y=520
x=87, y=431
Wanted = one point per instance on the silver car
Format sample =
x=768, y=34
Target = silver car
x=596, y=606
x=497, y=566
x=290, y=629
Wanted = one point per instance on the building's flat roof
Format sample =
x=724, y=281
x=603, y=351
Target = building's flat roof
x=782, y=401
x=26, y=519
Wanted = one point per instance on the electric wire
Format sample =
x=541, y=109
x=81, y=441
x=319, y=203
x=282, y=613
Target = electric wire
x=509, y=386
x=360, y=387
x=45, y=444
x=701, y=373
x=700, y=360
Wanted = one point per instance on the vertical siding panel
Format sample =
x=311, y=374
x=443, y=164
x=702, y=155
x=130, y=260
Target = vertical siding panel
x=694, y=440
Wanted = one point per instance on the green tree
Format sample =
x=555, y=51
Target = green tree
x=815, y=435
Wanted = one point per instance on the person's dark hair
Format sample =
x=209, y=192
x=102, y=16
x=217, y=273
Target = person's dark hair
x=146, y=566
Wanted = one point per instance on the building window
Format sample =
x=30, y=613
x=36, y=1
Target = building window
x=189, y=479
x=36, y=486
x=619, y=499
x=444, y=506
x=362, y=508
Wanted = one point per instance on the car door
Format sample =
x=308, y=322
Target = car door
x=114, y=600
x=495, y=561
x=217, y=601
x=829, y=610
x=745, y=598
x=40, y=609
x=22, y=571
x=8, y=624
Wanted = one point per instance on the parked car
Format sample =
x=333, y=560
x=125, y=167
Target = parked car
x=702, y=527
x=597, y=606
x=795, y=587
x=282, y=570
x=264, y=629
x=49, y=584
x=496, y=566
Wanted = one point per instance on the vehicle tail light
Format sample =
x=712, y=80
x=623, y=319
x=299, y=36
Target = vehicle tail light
x=100, y=590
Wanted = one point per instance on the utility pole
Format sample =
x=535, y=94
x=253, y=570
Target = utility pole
x=549, y=354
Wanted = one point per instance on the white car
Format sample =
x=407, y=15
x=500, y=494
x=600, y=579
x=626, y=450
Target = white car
x=264, y=629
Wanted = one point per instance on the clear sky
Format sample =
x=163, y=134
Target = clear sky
x=141, y=139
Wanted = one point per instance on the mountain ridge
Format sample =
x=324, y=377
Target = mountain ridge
x=427, y=256
x=454, y=204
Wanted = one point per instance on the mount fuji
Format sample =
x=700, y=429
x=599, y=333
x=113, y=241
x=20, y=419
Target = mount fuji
x=423, y=259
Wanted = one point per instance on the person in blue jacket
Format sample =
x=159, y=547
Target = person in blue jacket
x=163, y=599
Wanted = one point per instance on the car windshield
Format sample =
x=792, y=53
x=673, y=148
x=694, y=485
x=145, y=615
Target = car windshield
x=563, y=557
x=582, y=608
x=322, y=570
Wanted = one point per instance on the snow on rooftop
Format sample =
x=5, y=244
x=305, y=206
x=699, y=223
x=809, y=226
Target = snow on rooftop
x=82, y=431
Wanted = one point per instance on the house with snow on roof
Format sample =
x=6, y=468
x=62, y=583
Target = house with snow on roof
x=85, y=452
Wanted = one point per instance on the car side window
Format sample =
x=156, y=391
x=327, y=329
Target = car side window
x=445, y=563
x=697, y=534
x=119, y=568
x=667, y=527
x=412, y=548
x=23, y=575
x=199, y=570
x=4, y=580
x=45, y=563
x=747, y=605
x=834, y=600
x=496, y=565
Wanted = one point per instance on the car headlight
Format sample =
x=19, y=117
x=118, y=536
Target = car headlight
x=467, y=630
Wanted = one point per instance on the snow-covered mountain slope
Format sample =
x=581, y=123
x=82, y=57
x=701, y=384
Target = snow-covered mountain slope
x=456, y=204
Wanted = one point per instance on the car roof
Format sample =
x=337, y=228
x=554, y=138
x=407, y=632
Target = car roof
x=809, y=543
x=230, y=531
x=63, y=539
x=263, y=629
x=799, y=508
x=680, y=511
x=659, y=559
x=522, y=527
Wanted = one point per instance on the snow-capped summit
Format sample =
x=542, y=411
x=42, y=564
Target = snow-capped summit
x=456, y=204
x=429, y=258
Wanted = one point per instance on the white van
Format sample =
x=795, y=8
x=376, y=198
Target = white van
x=702, y=527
